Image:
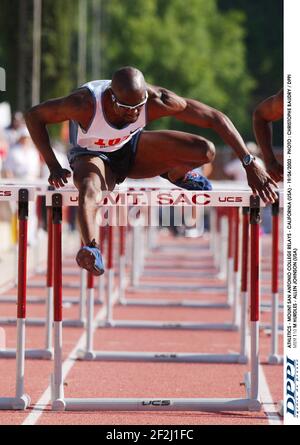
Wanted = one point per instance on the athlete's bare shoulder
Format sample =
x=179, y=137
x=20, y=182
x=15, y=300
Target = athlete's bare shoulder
x=163, y=102
x=271, y=109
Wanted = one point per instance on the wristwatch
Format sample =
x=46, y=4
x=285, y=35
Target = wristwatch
x=247, y=160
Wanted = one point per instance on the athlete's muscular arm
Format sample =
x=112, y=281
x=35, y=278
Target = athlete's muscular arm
x=75, y=106
x=166, y=103
x=163, y=102
x=268, y=111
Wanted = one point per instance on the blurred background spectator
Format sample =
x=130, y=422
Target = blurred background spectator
x=23, y=160
x=14, y=130
x=3, y=149
x=23, y=163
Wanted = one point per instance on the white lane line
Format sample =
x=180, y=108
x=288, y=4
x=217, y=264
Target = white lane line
x=269, y=407
x=68, y=364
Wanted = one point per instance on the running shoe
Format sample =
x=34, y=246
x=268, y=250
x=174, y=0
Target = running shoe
x=90, y=258
x=192, y=180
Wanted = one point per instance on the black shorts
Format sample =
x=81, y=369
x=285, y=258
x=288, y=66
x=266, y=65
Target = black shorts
x=120, y=161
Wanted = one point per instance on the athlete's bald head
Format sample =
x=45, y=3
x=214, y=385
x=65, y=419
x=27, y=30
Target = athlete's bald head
x=129, y=85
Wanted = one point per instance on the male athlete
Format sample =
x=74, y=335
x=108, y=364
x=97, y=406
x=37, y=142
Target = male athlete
x=109, y=144
x=268, y=111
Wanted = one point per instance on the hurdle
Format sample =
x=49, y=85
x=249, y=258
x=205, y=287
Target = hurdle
x=21, y=400
x=224, y=261
x=239, y=357
x=232, y=291
x=70, y=197
x=45, y=353
x=135, y=287
x=48, y=300
x=232, y=286
x=252, y=400
x=41, y=188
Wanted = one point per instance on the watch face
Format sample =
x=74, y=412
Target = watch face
x=247, y=159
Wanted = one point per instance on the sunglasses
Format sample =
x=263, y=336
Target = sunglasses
x=129, y=107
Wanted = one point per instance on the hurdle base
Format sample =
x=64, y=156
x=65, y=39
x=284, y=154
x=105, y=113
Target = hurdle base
x=268, y=332
x=39, y=354
x=178, y=357
x=9, y=321
x=41, y=284
x=275, y=359
x=41, y=300
x=74, y=323
x=266, y=306
x=143, y=324
x=59, y=405
x=268, y=328
x=201, y=290
x=170, y=303
x=255, y=404
x=280, y=410
x=15, y=403
x=85, y=355
x=157, y=404
x=243, y=359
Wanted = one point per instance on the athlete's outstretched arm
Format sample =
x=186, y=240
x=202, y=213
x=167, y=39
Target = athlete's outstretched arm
x=166, y=103
x=50, y=112
x=268, y=111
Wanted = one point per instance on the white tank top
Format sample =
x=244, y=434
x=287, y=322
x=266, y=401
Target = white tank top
x=100, y=135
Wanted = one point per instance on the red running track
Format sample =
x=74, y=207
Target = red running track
x=129, y=379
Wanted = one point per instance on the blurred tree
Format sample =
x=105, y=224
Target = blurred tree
x=188, y=47
x=15, y=47
x=59, y=44
x=264, y=41
x=222, y=52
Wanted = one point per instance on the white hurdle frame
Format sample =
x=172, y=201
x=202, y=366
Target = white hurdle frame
x=162, y=302
x=239, y=312
x=250, y=403
x=240, y=357
x=40, y=190
x=22, y=195
x=232, y=286
x=47, y=321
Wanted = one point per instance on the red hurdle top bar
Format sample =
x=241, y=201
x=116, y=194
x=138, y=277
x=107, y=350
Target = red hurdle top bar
x=143, y=196
x=11, y=192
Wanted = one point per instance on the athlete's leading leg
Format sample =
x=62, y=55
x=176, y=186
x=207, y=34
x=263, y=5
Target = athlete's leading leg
x=91, y=177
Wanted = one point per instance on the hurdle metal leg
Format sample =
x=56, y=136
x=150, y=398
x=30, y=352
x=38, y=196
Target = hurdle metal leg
x=236, y=273
x=223, y=263
x=57, y=388
x=21, y=400
x=252, y=379
x=274, y=357
x=122, y=264
x=244, y=287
